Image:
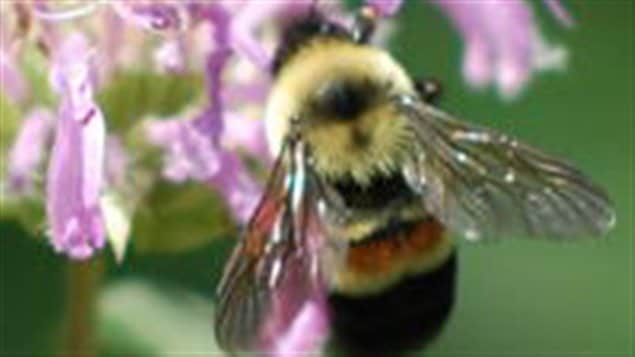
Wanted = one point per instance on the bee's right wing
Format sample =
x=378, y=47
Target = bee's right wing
x=274, y=267
x=483, y=184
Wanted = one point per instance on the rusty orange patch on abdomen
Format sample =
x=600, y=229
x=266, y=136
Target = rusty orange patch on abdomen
x=378, y=262
x=381, y=254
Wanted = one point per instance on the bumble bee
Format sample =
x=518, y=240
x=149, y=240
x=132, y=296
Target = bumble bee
x=369, y=179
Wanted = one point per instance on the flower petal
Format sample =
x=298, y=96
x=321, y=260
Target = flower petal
x=11, y=80
x=307, y=333
x=244, y=26
x=28, y=150
x=502, y=42
x=298, y=318
x=155, y=16
x=170, y=56
x=74, y=184
x=190, y=152
x=247, y=133
x=76, y=167
x=235, y=184
x=477, y=67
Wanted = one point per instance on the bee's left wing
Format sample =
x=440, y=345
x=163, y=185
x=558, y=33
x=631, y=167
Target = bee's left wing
x=483, y=184
x=274, y=268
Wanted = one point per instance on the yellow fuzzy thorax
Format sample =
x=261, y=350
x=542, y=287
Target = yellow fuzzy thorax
x=335, y=144
x=337, y=153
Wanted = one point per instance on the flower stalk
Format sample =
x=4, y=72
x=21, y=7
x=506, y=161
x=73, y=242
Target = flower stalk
x=83, y=280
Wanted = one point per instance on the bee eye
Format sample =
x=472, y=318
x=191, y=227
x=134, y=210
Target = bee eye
x=343, y=100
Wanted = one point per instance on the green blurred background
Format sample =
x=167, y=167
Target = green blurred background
x=515, y=298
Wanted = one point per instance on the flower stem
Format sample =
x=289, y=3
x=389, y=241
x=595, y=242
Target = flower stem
x=82, y=282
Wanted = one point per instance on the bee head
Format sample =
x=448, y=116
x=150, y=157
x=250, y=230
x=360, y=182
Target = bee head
x=301, y=32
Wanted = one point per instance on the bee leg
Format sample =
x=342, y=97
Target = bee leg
x=429, y=89
x=364, y=25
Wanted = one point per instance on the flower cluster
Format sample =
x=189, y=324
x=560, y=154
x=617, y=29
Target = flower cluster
x=221, y=39
x=83, y=47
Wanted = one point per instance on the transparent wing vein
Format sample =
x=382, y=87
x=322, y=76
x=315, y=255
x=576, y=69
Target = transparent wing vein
x=483, y=184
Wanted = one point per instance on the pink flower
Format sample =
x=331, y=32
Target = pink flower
x=249, y=18
x=307, y=333
x=75, y=171
x=28, y=150
x=11, y=80
x=193, y=147
x=298, y=319
x=150, y=15
x=237, y=186
x=247, y=134
x=502, y=43
x=189, y=152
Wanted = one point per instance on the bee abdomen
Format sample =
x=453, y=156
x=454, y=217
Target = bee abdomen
x=407, y=316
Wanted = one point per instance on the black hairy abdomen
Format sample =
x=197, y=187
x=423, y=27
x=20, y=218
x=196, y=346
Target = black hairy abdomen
x=403, y=318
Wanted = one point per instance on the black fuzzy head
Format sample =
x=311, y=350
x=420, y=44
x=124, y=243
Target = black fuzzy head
x=300, y=32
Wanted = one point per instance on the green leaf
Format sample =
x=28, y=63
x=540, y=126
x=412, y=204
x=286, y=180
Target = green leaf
x=28, y=211
x=179, y=217
x=131, y=96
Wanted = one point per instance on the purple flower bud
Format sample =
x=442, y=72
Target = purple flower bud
x=244, y=25
x=75, y=172
x=151, y=15
x=12, y=82
x=502, y=43
x=74, y=182
x=190, y=152
x=307, y=333
x=28, y=150
x=298, y=318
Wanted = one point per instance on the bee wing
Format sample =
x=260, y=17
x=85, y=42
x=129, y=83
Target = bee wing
x=483, y=184
x=274, y=268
